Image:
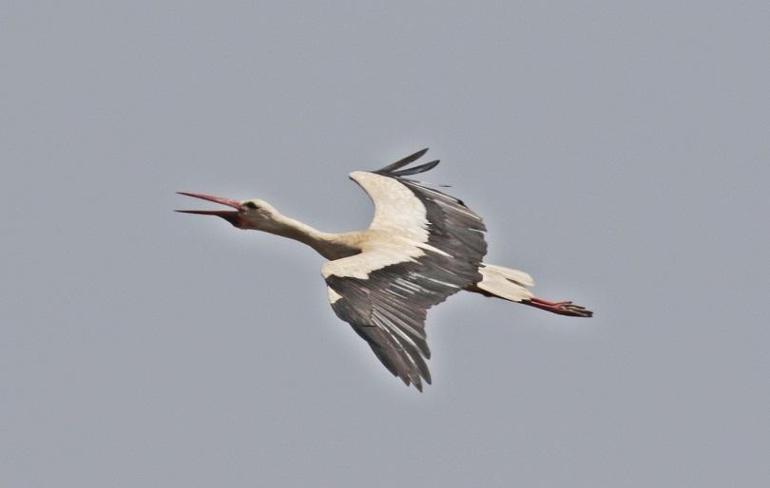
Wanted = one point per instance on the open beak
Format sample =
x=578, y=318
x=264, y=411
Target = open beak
x=229, y=215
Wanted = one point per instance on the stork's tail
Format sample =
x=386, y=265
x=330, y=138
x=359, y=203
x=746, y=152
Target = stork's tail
x=513, y=285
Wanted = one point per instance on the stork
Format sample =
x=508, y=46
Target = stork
x=421, y=247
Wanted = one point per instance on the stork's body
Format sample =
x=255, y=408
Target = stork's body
x=421, y=247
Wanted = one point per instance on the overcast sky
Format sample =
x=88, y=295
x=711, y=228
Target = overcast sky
x=617, y=150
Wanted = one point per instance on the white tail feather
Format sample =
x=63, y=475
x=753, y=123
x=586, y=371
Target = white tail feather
x=507, y=283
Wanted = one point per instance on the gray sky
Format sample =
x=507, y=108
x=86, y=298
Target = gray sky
x=618, y=151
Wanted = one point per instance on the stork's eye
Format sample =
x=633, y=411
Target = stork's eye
x=250, y=205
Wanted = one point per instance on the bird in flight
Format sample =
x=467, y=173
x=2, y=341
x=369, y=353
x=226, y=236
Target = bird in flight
x=421, y=247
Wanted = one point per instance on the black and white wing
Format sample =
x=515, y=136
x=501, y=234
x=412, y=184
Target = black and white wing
x=423, y=246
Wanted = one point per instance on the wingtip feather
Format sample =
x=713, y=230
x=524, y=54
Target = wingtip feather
x=417, y=169
x=391, y=168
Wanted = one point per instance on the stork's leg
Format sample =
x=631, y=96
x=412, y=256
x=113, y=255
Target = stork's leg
x=562, y=308
x=513, y=285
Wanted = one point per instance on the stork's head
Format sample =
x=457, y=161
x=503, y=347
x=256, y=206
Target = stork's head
x=248, y=214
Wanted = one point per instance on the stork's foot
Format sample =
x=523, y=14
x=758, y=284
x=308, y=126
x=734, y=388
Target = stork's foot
x=562, y=308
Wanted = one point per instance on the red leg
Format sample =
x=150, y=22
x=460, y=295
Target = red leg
x=562, y=308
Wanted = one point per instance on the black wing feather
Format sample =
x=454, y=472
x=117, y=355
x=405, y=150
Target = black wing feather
x=388, y=309
x=391, y=168
x=416, y=170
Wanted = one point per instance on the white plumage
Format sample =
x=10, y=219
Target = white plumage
x=421, y=247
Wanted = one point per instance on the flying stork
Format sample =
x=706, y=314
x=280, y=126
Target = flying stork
x=421, y=247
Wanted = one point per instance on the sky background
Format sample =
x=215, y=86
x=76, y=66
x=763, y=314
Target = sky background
x=619, y=152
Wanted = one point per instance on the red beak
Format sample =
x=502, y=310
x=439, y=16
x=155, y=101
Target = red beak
x=231, y=216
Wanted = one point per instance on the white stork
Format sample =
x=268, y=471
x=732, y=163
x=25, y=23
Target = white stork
x=421, y=247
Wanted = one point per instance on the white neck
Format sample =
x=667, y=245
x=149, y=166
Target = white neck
x=326, y=244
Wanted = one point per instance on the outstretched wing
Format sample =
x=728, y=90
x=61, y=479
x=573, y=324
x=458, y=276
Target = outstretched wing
x=423, y=246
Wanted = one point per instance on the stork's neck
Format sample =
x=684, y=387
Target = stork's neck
x=331, y=246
